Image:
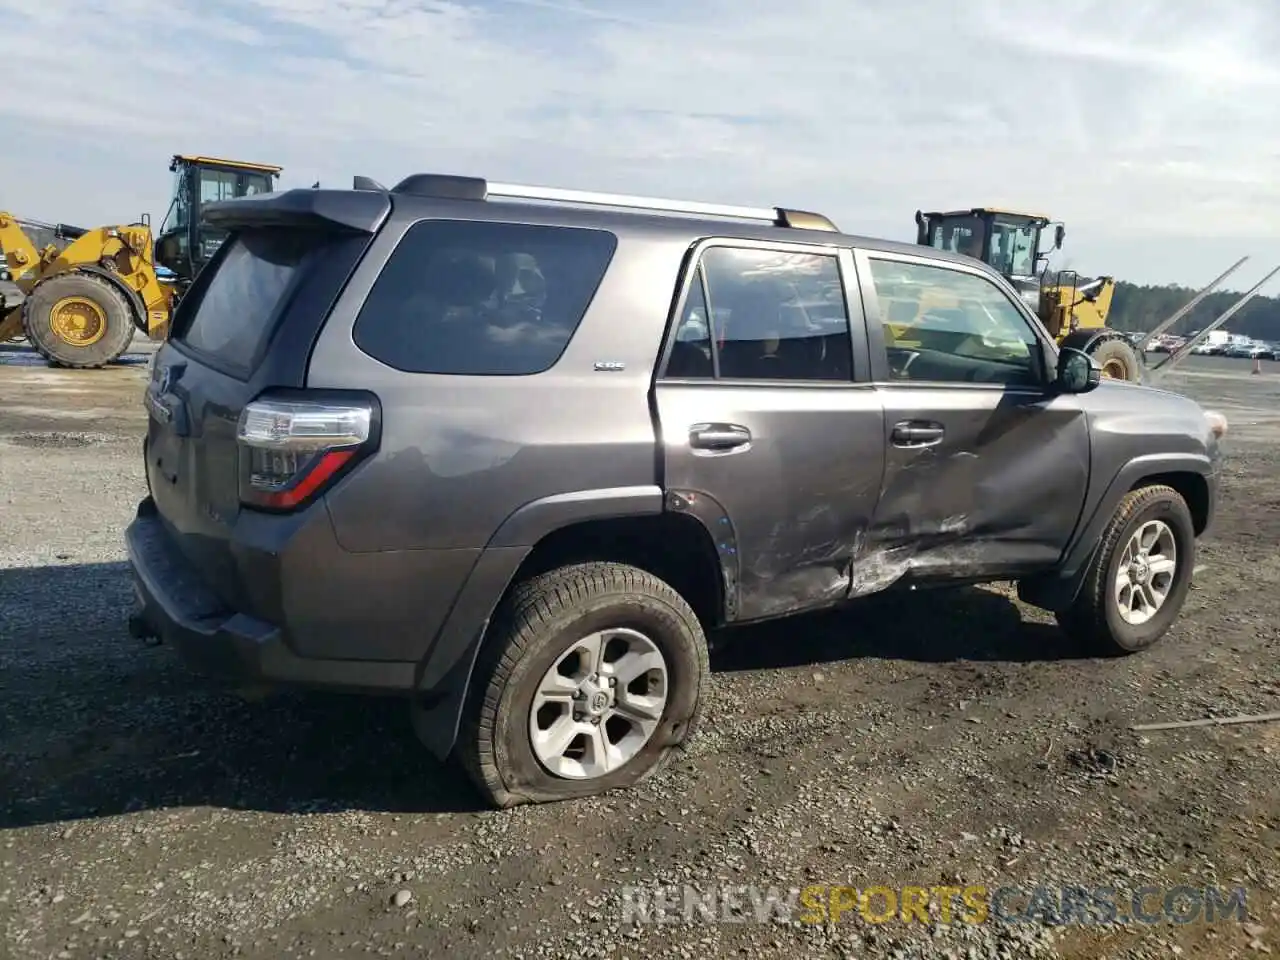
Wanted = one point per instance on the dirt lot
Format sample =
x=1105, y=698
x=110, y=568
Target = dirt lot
x=915, y=740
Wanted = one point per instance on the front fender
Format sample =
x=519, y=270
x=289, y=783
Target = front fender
x=1059, y=589
x=136, y=306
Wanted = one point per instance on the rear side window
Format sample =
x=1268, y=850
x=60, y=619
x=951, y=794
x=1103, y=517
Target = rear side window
x=480, y=298
x=238, y=310
x=759, y=314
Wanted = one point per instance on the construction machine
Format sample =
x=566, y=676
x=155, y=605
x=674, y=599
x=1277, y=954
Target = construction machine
x=1073, y=311
x=86, y=292
x=186, y=242
x=83, y=301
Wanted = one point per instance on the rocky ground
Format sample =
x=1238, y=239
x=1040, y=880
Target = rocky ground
x=947, y=739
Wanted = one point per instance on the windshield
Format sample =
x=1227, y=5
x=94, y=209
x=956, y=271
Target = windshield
x=217, y=185
x=1013, y=247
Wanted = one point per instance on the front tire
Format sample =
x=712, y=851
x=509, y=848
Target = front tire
x=1139, y=577
x=1119, y=360
x=78, y=320
x=543, y=721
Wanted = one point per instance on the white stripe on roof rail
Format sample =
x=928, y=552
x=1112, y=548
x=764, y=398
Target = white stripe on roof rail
x=525, y=192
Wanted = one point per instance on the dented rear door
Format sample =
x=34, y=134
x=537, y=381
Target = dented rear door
x=770, y=438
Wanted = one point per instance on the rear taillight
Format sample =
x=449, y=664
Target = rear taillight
x=291, y=449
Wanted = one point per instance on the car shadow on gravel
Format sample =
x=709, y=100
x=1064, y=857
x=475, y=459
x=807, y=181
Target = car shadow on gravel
x=927, y=626
x=94, y=723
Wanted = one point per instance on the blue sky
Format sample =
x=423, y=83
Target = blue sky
x=1151, y=128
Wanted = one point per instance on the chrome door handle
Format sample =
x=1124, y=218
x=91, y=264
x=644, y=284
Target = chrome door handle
x=718, y=436
x=917, y=433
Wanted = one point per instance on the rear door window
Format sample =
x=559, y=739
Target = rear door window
x=771, y=315
x=236, y=313
x=482, y=298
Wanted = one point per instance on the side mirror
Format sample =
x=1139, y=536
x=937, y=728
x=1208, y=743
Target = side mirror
x=1077, y=371
x=1059, y=234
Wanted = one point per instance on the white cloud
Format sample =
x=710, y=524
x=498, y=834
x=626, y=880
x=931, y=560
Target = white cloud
x=1151, y=128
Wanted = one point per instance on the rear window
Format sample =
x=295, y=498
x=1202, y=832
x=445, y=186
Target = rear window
x=480, y=298
x=237, y=311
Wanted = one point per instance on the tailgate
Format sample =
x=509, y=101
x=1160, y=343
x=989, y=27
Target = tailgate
x=191, y=455
x=267, y=290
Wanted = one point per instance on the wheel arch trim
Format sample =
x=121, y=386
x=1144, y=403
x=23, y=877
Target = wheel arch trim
x=528, y=524
x=1087, y=339
x=136, y=306
x=1059, y=589
x=443, y=675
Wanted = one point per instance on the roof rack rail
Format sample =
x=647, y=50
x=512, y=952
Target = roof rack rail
x=475, y=188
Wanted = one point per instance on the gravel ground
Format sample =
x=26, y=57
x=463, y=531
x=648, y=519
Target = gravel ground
x=148, y=813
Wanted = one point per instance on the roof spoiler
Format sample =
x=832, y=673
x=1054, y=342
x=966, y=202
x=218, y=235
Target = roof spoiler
x=363, y=210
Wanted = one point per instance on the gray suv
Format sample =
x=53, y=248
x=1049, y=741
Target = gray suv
x=511, y=452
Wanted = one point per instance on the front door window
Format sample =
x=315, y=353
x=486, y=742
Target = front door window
x=966, y=330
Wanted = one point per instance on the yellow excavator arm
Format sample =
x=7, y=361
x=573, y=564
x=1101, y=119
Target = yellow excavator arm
x=19, y=251
x=1067, y=305
x=23, y=260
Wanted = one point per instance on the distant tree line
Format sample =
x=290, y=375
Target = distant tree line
x=1136, y=307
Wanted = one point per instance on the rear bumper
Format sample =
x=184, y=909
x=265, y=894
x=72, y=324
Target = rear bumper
x=176, y=608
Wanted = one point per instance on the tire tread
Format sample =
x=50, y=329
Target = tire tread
x=122, y=334
x=1086, y=619
x=521, y=620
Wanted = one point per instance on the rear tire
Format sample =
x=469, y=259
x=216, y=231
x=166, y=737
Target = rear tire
x=1153, y=519
x=78, y=320
x=560, y=630
x=1119, y=360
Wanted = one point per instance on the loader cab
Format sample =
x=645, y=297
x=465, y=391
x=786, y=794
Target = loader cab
x=185, y=242
x=1003, y=239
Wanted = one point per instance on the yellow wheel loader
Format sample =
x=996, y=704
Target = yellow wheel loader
x=83, y=300
x=1074, y=312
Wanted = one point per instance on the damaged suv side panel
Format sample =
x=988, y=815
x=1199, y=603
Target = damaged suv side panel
x=778, y=452
x=1133, y=442
x=987, y=466
x=528, y=446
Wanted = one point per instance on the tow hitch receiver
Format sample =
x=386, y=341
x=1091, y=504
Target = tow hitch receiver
x=140, y=629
